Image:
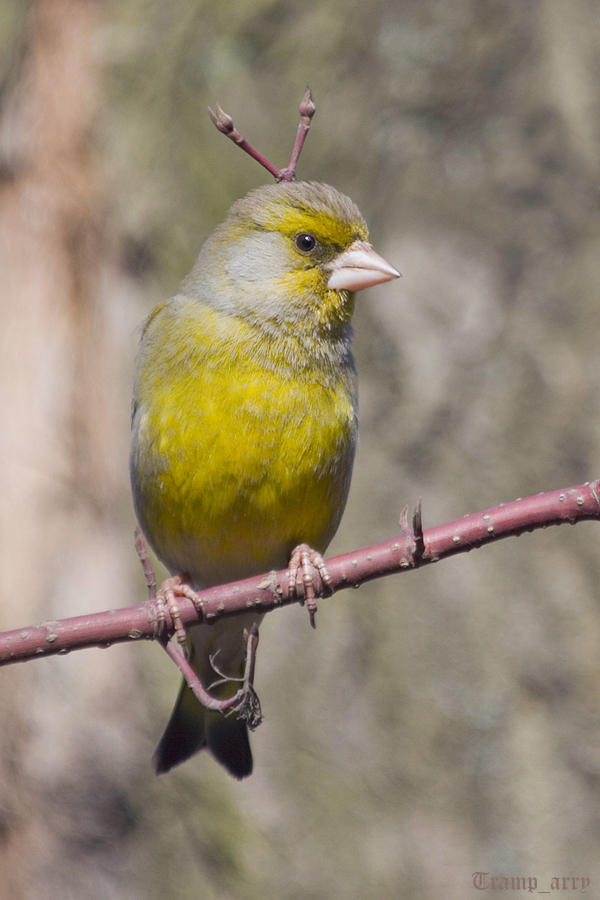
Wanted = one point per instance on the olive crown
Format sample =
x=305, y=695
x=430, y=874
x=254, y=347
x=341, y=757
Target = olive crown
x=307, y=110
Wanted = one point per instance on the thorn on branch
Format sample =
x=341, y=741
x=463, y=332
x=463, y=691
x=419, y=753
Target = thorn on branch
x=415, y=543
x=142, y=552
x=417, y=526
x=224, y=123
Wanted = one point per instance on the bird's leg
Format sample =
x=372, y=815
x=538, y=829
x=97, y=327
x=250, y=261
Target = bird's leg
x=308, y=578
x=166, y=597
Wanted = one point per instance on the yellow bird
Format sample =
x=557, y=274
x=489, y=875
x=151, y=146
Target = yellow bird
x=245, y=419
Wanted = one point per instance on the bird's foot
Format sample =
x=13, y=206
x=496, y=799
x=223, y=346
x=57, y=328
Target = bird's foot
x=308, y=578
x=166, y=599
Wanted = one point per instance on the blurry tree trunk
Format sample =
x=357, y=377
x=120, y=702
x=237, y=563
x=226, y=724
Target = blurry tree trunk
x=62, y=464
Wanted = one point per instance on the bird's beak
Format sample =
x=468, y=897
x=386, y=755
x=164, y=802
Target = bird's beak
x=359, y=267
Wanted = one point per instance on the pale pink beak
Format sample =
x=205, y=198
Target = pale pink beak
x=359, y=267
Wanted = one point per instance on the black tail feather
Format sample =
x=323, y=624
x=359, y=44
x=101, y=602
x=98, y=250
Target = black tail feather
x=184, y=734
x=191, y=728
x=228, y=741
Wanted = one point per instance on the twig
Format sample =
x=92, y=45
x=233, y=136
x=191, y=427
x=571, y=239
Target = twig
x=411, y=550
x=244, y=701
x=224, y=123
x=142, y=552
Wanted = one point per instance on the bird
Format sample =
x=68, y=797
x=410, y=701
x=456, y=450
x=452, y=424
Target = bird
x=244, y=421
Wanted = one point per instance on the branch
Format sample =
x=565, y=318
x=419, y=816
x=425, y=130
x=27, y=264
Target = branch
x=244, y=702
x=412, y=549
x=224, y=124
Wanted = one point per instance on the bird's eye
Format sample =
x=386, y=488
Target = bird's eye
x=305, y=242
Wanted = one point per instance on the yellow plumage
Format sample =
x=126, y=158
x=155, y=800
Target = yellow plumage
x=243, y=455
x=244, y=418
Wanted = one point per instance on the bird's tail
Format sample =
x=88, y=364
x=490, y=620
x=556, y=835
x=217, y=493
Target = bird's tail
x=184, y=735
x=192, y=727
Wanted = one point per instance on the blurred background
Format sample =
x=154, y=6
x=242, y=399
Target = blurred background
x=437, y=724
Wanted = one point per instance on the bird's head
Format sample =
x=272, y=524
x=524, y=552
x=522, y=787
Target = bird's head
x=289, y=255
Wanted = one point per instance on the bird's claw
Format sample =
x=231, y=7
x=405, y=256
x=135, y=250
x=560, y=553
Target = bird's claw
x=308, y=578
x=166, y=599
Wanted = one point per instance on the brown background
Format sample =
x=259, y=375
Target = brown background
x=436, y=724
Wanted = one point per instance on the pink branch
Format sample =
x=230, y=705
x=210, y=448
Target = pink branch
x=224, y=123
x=307, y=111
x=194, y=682
x=411, y=549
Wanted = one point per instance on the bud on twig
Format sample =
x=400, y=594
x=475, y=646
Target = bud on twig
x=308, y=106
x=221, y=120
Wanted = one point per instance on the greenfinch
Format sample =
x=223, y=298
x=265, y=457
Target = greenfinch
x=244, y=420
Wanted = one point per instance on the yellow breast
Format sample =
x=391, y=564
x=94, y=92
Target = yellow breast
x=242, y=446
